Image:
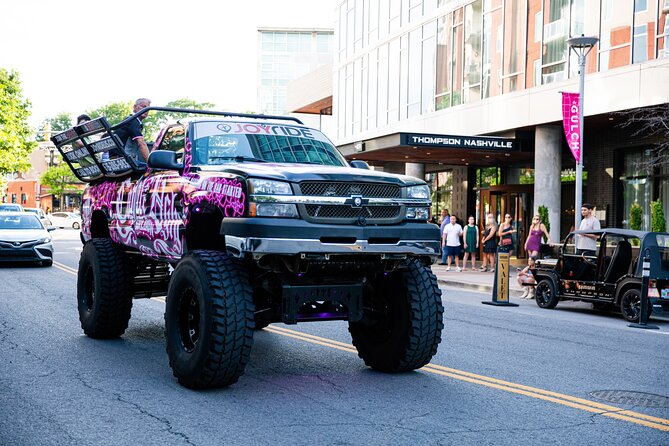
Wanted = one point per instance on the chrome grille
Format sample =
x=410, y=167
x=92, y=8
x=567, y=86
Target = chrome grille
x=334, y=212
x=367, y=190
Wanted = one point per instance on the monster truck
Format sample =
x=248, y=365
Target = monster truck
x=241, y=221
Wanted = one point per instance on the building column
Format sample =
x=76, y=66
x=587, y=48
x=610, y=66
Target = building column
x=460, y=188
x=547, y=171
x=416, y=170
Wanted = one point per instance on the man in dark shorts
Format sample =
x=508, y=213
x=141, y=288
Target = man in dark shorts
x=131, y=135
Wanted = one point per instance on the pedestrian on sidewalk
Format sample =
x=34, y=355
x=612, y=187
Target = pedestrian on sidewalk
x=535, y=234
x=470, y=237
x=489, y=241
x=525, y=277
x=505, y=234
x=450, y=242
x=443, y=221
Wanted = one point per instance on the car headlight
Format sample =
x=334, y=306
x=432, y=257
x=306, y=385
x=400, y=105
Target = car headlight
x=422, y=191
x=44, y=240
x=283, y=210
x=418, y=213
x=259, y=186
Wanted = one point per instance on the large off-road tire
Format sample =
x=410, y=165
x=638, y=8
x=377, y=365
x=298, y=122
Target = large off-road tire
x=209, y=320
x=104, y=292
x=545, y=294
x=403, y=329
x=630, y=305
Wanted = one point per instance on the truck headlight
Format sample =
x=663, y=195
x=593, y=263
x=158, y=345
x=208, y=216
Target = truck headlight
x=259, y=186
x=418, y=213
x=418, y=192
x=283, y=210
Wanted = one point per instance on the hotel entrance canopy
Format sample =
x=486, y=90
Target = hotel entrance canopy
x=444, y=149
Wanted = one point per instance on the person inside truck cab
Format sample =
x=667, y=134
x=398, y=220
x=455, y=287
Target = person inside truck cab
x=131, y=135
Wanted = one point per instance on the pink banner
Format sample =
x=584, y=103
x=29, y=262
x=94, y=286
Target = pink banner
x=570, y=119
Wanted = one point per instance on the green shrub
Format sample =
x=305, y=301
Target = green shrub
x=658, y=221
x=636, y=219
x=543, y=216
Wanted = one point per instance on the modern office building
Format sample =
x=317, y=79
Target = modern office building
x=466, y=93
x=286, y=54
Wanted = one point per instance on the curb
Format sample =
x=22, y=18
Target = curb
x=476, y=287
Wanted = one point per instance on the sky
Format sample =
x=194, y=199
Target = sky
x=76, y=55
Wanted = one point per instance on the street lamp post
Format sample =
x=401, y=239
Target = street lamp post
x=581, y=47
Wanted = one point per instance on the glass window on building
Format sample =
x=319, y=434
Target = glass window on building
x=372, y=87
x=404, y=76
x=515, y=29
x=429, y=64
x=443, y=92
x=372, y=20
x=441, y=185
x=493, y=45
x=637, y=187
x=640, y=5
x=555, y=49
x=457, y=52
x=393, y=80
x=383, y=94
x=616, y=34
x=13, y=198
x=415, y=72
x=640, y=45
x=663, y=35
x=472, y=51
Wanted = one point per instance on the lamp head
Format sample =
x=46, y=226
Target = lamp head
x=582, y=42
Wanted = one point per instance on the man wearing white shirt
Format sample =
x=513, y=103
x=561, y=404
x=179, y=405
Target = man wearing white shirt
x=450, y=243
x=587, y=243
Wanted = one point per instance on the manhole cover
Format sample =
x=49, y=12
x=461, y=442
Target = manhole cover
x=631, y=398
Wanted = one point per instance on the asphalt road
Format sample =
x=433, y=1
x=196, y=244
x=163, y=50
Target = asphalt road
x=502, y=376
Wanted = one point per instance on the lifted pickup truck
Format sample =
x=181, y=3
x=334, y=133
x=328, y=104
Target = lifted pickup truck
x=246, y=220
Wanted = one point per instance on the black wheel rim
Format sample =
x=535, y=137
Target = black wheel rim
x=189, y=319
x=89, y=289
x=542, y=294
x=631, y=306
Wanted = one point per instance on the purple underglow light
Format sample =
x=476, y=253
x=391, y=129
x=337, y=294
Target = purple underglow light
x=321, y=315
x=197, y=209
x=299, y=274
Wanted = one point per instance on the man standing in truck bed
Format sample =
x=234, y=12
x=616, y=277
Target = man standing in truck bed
x=131, y=135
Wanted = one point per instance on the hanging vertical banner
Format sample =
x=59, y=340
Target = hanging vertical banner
x=570, y=119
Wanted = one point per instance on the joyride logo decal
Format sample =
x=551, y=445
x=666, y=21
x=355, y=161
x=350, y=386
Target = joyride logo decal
x=238, y=128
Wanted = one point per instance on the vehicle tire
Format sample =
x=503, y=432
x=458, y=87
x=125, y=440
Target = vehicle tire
x=209, y=320
x=404, y=329
x=104, y=295
x=545, y=294
x=75, y=225
x=47, y=262
x=630, y=305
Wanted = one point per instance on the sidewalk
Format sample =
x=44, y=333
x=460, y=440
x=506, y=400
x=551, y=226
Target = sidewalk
x=474, y=280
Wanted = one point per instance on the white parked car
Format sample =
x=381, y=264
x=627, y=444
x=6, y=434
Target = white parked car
x=65, y=220
x=24, y=238
x=40, y=214
x=11, y=207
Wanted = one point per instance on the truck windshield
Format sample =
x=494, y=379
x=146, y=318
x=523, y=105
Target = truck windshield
x=217, y=143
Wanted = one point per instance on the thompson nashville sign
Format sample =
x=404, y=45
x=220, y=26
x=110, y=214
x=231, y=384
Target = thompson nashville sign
x=460, y=142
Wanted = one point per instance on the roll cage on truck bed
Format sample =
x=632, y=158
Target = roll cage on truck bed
x=288, y=234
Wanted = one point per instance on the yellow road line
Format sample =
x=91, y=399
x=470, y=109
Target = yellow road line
x=65, y=268
x=487, y=381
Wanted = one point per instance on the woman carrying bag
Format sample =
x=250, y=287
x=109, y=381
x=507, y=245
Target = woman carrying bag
x=505, y=234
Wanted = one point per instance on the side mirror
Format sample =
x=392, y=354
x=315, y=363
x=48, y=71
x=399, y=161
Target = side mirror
x=51, y=228
x=358, y=164
x=165, y=160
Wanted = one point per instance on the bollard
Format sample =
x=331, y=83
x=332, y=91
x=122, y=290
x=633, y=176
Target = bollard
x=645, y=279
x=500, y=287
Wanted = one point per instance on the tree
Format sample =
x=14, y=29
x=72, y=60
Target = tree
x=636, y=217
x=59, y=123
x=650, y=123
x=115, y=112
x=658, y=222
x=16, y=137
x=60, y=179
x=156, y=120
